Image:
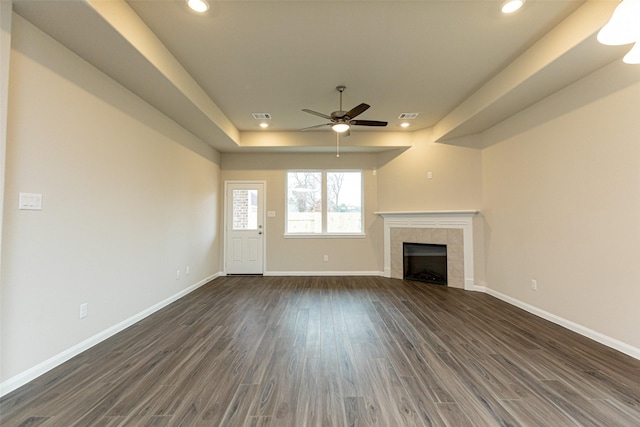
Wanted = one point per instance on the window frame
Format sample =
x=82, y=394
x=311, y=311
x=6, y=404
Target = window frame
x=324, y=234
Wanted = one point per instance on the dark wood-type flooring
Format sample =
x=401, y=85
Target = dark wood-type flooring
x=335, y=351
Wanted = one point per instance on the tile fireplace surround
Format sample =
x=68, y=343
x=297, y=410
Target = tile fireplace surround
x=451, y=228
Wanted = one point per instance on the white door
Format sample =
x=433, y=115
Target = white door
x=244, y=228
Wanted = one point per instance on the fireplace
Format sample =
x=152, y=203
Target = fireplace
x=425, y=262
x=451, y=228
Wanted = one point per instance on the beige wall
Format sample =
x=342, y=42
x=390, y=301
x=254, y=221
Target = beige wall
x=5, y=53
x=562, y=202
x=456, y=182
x=346, y=255
x=128, y=198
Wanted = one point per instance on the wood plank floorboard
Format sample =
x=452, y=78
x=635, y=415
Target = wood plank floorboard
x=335, y=351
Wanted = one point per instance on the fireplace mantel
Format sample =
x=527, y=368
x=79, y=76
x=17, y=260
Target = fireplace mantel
x=393, y=214
x=452, y=219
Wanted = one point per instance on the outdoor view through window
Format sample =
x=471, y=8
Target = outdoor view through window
x=324, y=202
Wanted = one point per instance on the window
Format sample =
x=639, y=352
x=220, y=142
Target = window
x=324, y=202
x=344, y=202
x=245, y=209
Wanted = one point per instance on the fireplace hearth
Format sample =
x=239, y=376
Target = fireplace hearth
x=425, y=262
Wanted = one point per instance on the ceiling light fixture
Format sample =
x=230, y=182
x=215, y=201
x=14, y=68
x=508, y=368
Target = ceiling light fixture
x=511, y=6
x=404, y=124
x=623, y=28
x=340, y=127
x=199, y=6
x=264, y=125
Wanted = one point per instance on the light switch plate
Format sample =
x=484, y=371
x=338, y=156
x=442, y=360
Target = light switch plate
x=30, y=201
x=271, y=214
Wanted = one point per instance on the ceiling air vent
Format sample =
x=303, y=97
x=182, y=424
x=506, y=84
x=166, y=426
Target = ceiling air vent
x=408, y=116
x=261, y=116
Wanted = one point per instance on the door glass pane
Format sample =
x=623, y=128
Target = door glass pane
x=245, y=209
x=344, y=202
x=304, y=202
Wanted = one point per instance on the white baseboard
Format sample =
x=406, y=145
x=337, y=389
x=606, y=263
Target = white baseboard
x=30, y=374
x=575, y=327
x=323, y=273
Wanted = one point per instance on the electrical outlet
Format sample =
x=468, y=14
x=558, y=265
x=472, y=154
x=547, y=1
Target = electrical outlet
x=326, y=257
x=177, y=274
x=429, y=175
x=534, y=285
x=83, y=310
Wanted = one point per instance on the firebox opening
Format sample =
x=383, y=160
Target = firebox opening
x=425, y=263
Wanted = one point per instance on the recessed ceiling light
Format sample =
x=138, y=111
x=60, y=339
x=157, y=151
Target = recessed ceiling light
x=622, y=29
x=199, y=6
x=404, y=124
x=633, y=57
x=511, y=6
x=264, y=125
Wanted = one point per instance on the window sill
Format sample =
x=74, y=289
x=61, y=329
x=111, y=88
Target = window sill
x=326, y=236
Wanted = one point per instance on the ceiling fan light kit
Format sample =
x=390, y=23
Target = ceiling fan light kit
x=340, y=127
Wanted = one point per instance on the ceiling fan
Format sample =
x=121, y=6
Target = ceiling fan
x=341, y=121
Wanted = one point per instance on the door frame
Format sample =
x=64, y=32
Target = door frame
x=226, y=220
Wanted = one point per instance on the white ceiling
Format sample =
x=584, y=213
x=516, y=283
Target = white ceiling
x=461, y=64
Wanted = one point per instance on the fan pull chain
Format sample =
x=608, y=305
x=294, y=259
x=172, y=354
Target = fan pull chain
x=337, y=145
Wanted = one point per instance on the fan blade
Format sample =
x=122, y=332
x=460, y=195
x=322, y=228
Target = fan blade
x=315, y=113
x=316, y=126
x=356, y=111
x=367, y=123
